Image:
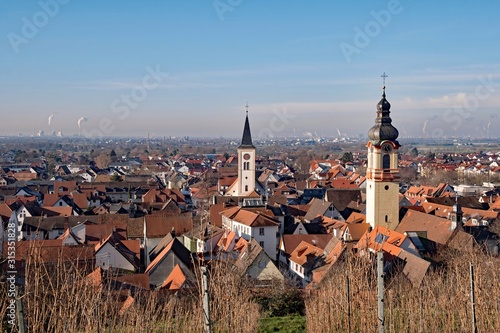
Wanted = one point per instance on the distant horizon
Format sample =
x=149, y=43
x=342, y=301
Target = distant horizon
x=180, y=68
x=236, y=139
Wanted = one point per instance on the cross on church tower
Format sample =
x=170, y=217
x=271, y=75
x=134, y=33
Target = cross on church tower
x=246, y=106
x=383, y=76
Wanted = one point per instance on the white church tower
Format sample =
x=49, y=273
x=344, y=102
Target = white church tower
x=246, y=162
x=382, y=174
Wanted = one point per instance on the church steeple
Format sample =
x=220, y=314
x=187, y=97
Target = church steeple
x=383, y=129
x=382, y=174
x=246, y=140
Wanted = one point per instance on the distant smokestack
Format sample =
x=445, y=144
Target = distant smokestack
x=79, y=122
x=51, y=117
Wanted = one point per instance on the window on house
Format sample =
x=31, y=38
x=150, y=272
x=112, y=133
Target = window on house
x=380, y=238
x=261, y=231
x=261, y=243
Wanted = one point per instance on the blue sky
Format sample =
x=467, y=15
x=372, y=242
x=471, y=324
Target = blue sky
x=302, y=66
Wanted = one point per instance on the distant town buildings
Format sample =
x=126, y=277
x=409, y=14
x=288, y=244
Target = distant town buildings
x=151, y=217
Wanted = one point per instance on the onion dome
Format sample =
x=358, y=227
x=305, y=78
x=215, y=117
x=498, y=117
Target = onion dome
x=383, y=129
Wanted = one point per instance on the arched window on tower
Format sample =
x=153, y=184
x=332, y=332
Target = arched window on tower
x=246, y=188
x=386, y=162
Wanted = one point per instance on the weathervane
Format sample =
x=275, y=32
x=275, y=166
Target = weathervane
x=246, y=106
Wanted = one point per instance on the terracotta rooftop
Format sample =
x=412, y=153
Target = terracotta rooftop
x=290, y=242
x=437, y=228
x=305, y=253
x=175, y=279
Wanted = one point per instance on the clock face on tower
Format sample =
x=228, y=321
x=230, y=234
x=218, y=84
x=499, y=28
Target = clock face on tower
x=246, y=156
x=387, y=148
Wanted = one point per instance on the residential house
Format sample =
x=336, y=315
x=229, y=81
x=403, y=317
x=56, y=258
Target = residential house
x=289, y=243
x=203, y=238
x=398, y=249
x=118, y=254
x=254, y=263
x=248, y=224
x=172, y=255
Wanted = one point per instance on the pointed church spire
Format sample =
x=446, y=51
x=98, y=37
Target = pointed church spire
x=246, y=140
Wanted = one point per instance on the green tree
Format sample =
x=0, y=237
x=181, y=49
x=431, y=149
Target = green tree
x=116, y=178
x=347, y=157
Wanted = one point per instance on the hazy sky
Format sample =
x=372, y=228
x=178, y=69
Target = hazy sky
x=188, y=67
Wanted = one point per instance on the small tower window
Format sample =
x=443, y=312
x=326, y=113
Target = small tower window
x=246, y=188
x=386, y=162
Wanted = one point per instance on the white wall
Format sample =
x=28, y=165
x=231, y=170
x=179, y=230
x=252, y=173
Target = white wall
x=108, y=257
x=269, y=239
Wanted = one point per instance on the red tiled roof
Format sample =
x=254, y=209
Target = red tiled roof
x=175, y=280
x=304, y=252
x=390, y=243
x=438, y=229
x=158, y=225
x=290, y=242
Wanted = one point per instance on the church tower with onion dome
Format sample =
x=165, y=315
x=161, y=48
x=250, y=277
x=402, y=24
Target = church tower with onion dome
x=382, y=174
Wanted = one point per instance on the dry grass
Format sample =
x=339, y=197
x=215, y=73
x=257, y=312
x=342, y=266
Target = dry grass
x=441, y=304
x=58, y=298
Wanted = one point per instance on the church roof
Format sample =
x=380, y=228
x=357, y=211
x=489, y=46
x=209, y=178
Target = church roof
x=246, y=140
x=383, y=128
